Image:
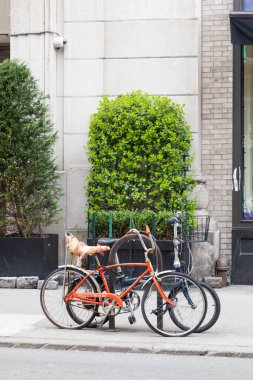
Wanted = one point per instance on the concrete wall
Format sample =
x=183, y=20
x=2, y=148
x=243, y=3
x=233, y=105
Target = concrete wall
x=4, y=16
x=119, y=46
x=32, y=27
x=113, y=46
x=4, y=21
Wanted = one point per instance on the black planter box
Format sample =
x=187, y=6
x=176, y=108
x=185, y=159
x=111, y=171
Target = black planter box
x=33, y=256
x=133, y=253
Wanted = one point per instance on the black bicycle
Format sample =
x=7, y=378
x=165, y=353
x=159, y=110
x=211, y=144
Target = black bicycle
x=187, y=231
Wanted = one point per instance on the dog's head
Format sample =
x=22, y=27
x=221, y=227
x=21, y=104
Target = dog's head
x=78, y=248
x=72, y=244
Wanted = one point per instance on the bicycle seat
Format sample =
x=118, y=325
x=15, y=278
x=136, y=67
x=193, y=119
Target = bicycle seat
x=107, y=241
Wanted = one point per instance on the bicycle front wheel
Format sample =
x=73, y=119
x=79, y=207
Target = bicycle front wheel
x=70, y=314
x=189, y=310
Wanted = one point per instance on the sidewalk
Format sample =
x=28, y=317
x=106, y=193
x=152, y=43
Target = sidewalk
x=23, y=324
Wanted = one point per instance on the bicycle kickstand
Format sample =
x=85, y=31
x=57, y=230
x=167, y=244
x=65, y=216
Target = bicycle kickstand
x=100, y=324
x=131, y=317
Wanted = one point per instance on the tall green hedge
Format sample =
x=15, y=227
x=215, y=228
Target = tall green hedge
x=29, y=180
x=138, y=148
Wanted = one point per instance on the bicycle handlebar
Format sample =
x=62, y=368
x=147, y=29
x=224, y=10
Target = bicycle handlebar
x=172, y=220
x=135, y=231
x=176, y=219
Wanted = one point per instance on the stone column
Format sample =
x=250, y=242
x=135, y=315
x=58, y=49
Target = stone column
x=83, y=86
x=205, y=254
x=34, y=25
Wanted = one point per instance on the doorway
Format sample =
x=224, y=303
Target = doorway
x=242, y=231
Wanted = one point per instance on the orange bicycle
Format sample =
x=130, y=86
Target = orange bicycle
x=72, y=297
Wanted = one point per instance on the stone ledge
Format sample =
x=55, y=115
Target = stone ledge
x=214, y=282
x=52, y=285
x=27, y=282
x=33, y=282
x=8, y=282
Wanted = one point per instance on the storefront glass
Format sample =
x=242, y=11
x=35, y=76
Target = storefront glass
x=247, y=193
x=248, y=5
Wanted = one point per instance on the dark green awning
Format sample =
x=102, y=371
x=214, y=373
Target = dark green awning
x=241, y=25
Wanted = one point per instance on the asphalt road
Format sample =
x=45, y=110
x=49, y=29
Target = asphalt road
x=40, y=364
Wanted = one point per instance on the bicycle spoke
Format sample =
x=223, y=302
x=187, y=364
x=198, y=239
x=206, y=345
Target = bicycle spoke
x=70, y=314
x=182, y=319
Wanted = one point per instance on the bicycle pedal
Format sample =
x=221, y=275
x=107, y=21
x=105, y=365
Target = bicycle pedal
x=132, y=319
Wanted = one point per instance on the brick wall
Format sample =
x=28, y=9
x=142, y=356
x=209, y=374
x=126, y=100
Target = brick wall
x=217, y=113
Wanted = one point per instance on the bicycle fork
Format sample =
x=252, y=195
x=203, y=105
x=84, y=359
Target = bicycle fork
x=185, y=291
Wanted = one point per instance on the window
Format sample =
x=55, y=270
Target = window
x=247, y=5
x=247, y=135
x=4, y=52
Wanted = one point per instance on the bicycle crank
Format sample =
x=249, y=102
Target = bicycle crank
x=133, y=301
x=110, y=308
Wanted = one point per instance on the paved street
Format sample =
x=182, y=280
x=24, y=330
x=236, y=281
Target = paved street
x=24, y=324
x=57, y=364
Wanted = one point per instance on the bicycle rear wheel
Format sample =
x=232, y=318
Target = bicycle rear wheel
x=213, y=308
x=129, y=244
x=72, y=314
x=190, y=307
x=75, y=314
x=213, y=302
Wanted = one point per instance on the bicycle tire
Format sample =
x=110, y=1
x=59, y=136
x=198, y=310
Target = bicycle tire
x=190, y=302
x=213, y=310
x=53, y=305
x=126, y=239
x=99, y=317
x=212, y=314
x=213, y=301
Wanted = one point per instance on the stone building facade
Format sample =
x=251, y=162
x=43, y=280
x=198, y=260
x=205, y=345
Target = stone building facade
x=180, y=49
x=216, y=114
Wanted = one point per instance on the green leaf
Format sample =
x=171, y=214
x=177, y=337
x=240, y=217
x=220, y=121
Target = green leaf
x=29, y=178
x=139, y=150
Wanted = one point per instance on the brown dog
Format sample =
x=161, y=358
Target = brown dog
x=78, y=248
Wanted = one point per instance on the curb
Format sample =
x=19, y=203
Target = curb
x=124, y=349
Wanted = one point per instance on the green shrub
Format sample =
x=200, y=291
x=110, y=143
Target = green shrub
x=121, y=221
x=29, y=181
x=138, y=149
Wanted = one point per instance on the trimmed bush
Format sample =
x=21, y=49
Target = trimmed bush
x=29, y=181
x=138, y=149
x=122, y=220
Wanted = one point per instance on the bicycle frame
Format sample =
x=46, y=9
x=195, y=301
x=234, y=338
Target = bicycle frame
x=95, y=298
x=176, y=263
x=177, y=244
x=99, y=295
